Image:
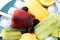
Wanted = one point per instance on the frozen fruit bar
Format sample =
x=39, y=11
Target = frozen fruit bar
x=11, y=34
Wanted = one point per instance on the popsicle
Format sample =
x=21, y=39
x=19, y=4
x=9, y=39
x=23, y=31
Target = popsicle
x=36, y=9
x=11, y=34
x=45, y=28
x=28, y=36
x=21, y=19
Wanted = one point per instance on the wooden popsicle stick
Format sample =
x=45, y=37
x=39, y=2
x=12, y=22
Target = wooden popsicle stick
x=6, y=15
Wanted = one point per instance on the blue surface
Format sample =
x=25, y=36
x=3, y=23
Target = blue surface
x=7, y=6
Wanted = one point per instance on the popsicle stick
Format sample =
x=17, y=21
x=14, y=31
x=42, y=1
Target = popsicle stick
x=6, y=15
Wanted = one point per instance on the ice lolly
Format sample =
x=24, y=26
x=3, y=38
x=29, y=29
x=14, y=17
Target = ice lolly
x=21, y=19
x=36, y=9
x=45, y=28
x=11, y=34
x=28, y=36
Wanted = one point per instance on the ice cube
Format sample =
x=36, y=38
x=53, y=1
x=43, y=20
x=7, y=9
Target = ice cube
x=1, y=29
x=58, y=7
x=19, y=4
x=51, y=38
x=58, y=0
x=5, y=22
x=52, y=9
x=11, y=10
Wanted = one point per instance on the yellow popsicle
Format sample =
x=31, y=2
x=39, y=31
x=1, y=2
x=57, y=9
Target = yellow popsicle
x=36, y=9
